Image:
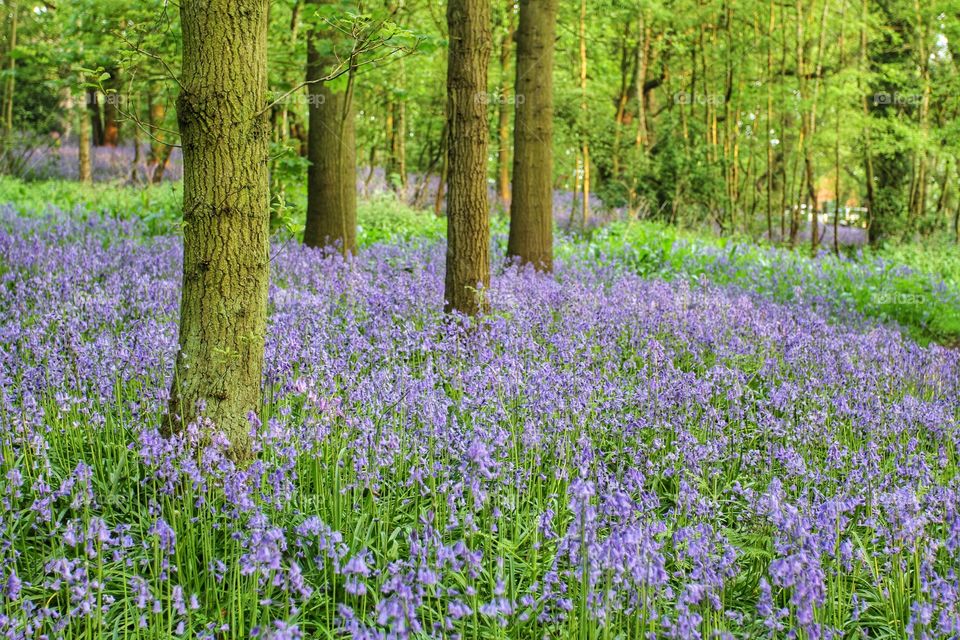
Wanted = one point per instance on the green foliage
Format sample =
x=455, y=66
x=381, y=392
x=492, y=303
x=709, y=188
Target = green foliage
x=384, y=218
x=909, y=286
x=158, y=207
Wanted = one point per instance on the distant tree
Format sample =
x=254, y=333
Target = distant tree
x=509, y=31
x=531, y=210
x=331, y=148
x=468, y=214
x=221, y=111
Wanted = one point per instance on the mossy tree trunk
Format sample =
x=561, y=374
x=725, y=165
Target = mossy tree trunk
x=332, y=176
x=531, y=210
x=468, y=212
x=224, y=132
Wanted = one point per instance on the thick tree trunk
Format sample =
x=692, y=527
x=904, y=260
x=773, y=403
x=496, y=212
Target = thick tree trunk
x=531, y=212
x=225, y=132
x=332, y=176
x=468, y=213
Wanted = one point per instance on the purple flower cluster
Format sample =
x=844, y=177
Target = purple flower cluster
x=602, y=453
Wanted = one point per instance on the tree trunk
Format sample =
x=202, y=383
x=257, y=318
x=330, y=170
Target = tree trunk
x=643, y=64
x=503, y=117
x=769, y=83
x=444, y=167
x=159, y=151
x=808, y=153
x=837, y=191
x=83, y=153
x=468, y=213
x=584, y=109
x=332, y=176
x=96, y=120
x=111, y=127
x=531, y=212
x=400, y=130
x=225, y=133
x=14, y=12
x=872, y=235
x=137, y=156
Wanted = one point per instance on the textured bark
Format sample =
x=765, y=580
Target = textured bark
x=224, y=132
x=531, y=211
x=331, y=149
x=468, y=213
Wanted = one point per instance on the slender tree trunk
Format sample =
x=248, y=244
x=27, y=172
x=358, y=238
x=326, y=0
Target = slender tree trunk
x=444, y=167
x=784, y=187
x=400, y=129
x=584, y=110
x=531, y=216
x=643, y=64
x=808, y=152
x=332, y=175
x=96, y=119
x=577, y=173
x=503, y=117
x=804, y=118
x=285, y=128
x=468, y=212
x=111, y=127
x=956, y=222
x=225, y=132
x=918, y=203
x=159, y=157
x=838, y=192
x=769, y=83
x=137, y=156
x=623, y=99
x=83, y=142
x=8, y=94
x=872, y=235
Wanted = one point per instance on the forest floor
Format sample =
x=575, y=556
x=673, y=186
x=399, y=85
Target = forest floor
x=672, y=436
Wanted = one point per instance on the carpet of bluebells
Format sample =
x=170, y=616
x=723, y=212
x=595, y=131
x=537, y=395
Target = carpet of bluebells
x=602, y=456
